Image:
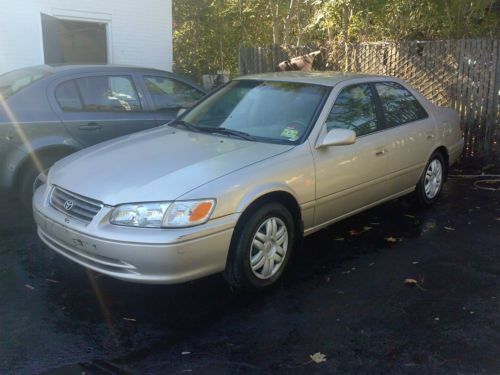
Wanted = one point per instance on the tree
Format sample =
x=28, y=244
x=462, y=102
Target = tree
x=208, y=33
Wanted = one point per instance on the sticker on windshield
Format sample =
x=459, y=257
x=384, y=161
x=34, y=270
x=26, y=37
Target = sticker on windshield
x=291, y=133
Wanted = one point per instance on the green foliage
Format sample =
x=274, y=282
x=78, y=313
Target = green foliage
x=207, y=33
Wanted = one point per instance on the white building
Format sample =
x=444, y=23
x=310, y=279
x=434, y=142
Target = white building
x=132, y=32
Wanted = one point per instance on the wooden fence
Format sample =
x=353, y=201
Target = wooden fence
x=462, y=74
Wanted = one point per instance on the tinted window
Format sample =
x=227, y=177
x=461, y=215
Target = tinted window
x=354, y=109
x=398, y=104
x=169, y=94
x=67, y=97
x=268, y=111
x=108, y=94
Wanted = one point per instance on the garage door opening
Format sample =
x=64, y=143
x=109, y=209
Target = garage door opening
x=74, y=42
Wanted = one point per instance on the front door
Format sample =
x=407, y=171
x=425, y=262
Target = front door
x=101, y=107
x=351, y=177
x=169, y=95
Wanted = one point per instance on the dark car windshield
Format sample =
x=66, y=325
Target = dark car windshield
x=13, y=82
x=260, y=110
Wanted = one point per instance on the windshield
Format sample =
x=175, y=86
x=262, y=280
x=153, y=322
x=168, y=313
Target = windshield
x=263, y=110
x=14, y=81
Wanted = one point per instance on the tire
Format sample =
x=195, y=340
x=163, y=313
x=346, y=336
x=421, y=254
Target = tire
x=28, y=176
x=263, y=231
x=431, y=182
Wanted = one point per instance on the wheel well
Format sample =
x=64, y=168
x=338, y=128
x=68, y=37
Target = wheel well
x=444, y=152
x=42, y=155
x=286, y=199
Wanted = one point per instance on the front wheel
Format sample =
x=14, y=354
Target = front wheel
x=431, y=182
x=261, y=248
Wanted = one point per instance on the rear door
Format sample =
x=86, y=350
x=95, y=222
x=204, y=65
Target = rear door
x=168, y=95
x=410, y=132
x=98, y=107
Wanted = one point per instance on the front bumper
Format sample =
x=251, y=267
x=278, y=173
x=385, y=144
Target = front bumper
x=144, y=255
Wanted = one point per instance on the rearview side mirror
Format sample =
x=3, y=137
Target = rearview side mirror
x=339, y=137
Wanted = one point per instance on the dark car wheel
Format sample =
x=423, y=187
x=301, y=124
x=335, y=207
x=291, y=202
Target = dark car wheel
x=431, y=182
x=29, y=174
x=261, y=248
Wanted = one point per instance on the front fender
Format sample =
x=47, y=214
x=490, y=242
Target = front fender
x=291, y=172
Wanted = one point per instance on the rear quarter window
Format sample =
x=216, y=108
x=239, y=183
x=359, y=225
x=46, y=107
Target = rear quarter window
x=68, y=98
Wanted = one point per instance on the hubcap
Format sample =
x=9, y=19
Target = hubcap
x=433, y=179
x=268, y=248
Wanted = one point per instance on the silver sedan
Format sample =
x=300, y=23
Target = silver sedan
x=233, y=183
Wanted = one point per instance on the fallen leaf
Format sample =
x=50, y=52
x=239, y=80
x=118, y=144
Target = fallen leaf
x=415, y=262
x=449, y=228
x=29, y=286
x=339, y=239
x=353, y=232
x=367, y=228
x=371, y=264
x=52, y=281
x=185, y=353
x=393, y=239
x=318, y=357
x=410, y=216
x=413, y=282
x=129, y=319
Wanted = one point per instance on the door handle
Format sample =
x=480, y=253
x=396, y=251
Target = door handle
x=381, y=152
x=90, y=126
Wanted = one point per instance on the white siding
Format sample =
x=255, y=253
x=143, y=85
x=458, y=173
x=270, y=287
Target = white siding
x=139, y=31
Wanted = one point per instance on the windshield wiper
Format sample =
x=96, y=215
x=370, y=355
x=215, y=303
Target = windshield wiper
x=186, y=124
x=226, y=131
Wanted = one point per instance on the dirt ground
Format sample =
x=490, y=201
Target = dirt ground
x=344, y=296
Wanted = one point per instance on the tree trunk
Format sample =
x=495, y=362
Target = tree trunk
x=275, y=15
x=287, y=23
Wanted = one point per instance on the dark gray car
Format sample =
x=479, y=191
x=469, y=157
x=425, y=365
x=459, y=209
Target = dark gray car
x=48, y=112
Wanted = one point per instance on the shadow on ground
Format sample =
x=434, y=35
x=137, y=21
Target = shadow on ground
x=344, y=296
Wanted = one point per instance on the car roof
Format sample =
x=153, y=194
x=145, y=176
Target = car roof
x=317, y=78
x=56, y=68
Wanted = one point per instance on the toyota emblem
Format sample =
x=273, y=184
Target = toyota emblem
x=68, y=205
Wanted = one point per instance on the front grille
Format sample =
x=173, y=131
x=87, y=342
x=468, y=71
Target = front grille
x=74, y=205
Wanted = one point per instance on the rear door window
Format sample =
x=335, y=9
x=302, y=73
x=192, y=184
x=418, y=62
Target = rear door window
x=98, y=94
x=399, y=106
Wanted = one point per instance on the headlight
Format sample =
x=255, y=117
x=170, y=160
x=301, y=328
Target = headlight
x=163, y=214
x=188, y=213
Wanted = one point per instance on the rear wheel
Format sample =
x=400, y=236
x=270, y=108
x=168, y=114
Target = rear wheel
x=29, y=174
x=261, y=248
x=431, y=183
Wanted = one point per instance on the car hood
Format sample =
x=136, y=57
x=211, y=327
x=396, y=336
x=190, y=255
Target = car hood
x=157, y=165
